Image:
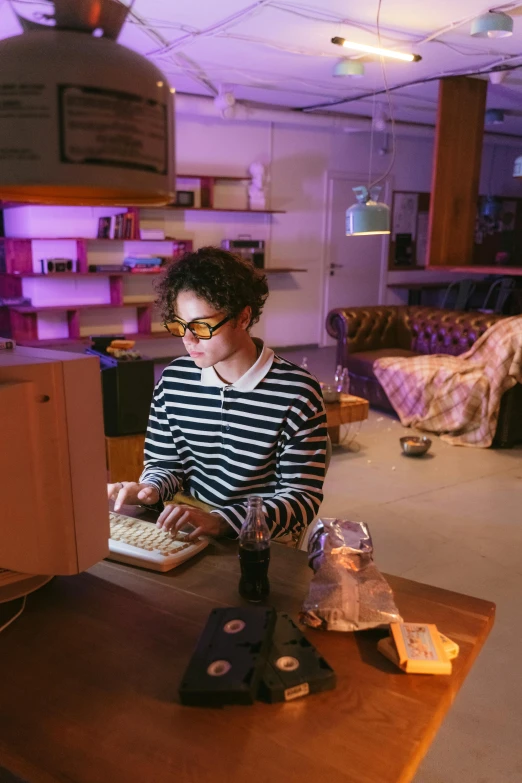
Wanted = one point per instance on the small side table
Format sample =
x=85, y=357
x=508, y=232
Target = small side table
x=349, y=409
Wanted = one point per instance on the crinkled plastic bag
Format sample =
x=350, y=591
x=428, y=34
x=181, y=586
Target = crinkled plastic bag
x=347, y=592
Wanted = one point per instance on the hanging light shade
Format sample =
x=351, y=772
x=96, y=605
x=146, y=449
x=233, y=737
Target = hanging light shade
x=494, y=24
x=89, y=121
x=517, y=169
x=367, y=216
x=349, y=68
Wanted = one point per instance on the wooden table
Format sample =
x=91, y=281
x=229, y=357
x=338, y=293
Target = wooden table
x=91, y=671
x=348, y=410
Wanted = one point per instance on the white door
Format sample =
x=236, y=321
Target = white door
x=353, y=266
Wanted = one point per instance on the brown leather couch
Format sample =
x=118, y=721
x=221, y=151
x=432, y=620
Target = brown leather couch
x=365, y=334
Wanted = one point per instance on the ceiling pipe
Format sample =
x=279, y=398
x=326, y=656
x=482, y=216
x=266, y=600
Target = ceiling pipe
x=203, y=107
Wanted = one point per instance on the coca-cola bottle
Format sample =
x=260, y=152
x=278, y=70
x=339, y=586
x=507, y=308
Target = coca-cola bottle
x=254, y=553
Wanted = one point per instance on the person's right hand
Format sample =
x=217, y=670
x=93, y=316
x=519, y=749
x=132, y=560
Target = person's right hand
x=132, y=494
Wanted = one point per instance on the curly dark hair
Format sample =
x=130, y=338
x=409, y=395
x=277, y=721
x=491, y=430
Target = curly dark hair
x=227, y=282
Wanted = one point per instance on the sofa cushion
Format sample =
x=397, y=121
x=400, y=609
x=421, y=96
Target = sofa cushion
x=361, y=363
x=434, y=330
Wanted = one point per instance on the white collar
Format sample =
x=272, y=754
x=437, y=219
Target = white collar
x=251, y=379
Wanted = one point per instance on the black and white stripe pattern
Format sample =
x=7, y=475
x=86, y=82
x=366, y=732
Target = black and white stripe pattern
x=221, y=445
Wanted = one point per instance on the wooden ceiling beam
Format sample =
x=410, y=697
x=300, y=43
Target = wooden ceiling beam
x=456, y=170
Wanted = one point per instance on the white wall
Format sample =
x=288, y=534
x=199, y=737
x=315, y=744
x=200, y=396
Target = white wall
x=298, y=151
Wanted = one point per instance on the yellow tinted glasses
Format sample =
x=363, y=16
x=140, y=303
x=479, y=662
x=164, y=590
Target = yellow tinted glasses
x=199, y=329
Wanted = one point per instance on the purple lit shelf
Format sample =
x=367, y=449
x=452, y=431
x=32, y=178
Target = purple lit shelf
x=71, y=341
x=68, y=275
x=127, y=275
x=214, y=176
x=88, y=239
x=70, y=308
x=221, y=209
x=282, y=270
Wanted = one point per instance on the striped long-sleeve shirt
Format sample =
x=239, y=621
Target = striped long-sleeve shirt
x=263, y=435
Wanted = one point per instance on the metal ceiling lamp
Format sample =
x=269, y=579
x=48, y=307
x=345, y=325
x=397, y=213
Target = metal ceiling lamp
x=346, y=67
x=494, y=24
x=89, y=121
x=367, y=216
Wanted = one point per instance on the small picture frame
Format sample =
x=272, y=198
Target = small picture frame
x=104, y=228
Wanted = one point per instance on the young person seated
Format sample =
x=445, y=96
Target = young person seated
x=231, y=419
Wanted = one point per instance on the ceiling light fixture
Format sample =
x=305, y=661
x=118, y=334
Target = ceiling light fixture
x=93, y=122
x=367, y=216
x=377, y=50
x=345, y=67
x=494, y=24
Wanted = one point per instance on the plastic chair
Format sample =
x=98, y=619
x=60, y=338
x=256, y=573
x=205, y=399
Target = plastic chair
x=503, y=287
x=463, y=290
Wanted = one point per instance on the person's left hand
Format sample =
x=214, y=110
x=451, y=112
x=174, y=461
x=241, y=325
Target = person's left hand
x=173, y=518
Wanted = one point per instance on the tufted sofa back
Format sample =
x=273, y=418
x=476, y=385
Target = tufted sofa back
x=434, y=330
x=364, y=328
x=420, y=329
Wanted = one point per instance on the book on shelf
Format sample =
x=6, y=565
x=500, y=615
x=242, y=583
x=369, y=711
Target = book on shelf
x=142, y=261
x=129, y=225
x=116, y=268
x=145, y=270
x=117, y=229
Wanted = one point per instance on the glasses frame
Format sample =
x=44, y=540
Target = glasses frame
x=186, y=326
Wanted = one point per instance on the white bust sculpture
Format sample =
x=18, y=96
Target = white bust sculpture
x=256, y=189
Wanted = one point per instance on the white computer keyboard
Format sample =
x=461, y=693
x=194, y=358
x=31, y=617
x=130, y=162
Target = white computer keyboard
x=140, y=543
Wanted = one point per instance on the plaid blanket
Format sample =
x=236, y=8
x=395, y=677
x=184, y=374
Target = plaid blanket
x=457, y=397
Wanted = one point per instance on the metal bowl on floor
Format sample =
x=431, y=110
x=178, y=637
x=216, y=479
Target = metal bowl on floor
x=413, y=446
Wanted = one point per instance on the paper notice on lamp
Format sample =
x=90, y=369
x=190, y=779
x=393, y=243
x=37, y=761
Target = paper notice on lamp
x=405, y=208
x=422, y=238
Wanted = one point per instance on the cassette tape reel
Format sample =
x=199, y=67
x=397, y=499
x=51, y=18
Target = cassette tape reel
x=294, y=667
x=230, y=658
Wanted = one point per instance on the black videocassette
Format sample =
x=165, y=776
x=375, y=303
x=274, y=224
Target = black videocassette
x=294, y=667
x=228, y=662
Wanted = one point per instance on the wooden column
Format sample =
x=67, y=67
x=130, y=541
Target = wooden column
x=456, y=170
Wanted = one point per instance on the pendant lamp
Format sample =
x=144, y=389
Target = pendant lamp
x=367, y=216
x=494, y=24
x=90, y=121
x=349, y=68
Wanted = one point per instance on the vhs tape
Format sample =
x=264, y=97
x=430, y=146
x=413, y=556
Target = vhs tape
x=230, y=657
x=294, y=667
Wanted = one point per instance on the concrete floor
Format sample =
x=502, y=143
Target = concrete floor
x=452, y=519
x=455, y=521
